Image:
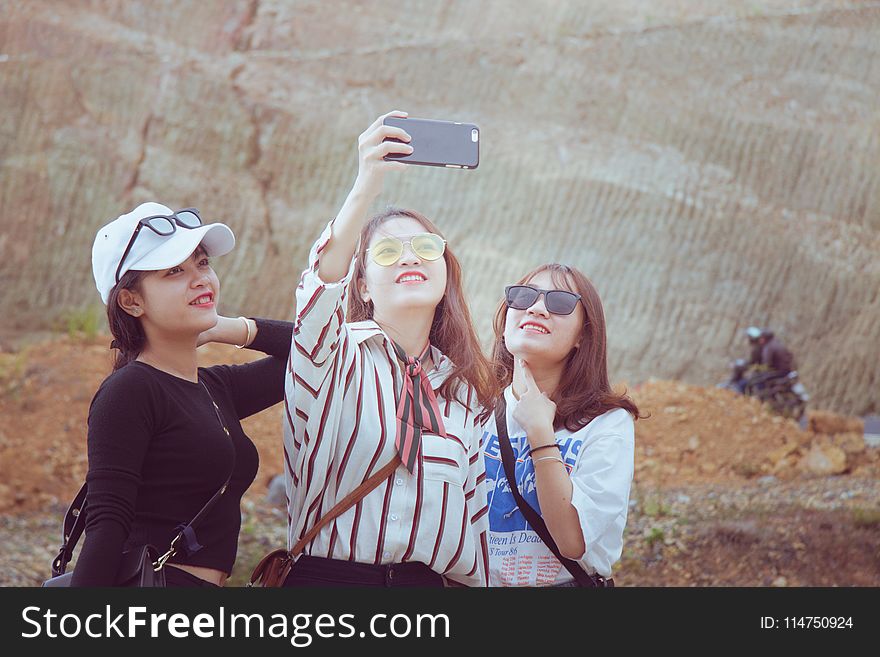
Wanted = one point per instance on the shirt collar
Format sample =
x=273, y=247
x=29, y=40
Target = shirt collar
x=366, y=329
x=360, y=331
x=442, y=367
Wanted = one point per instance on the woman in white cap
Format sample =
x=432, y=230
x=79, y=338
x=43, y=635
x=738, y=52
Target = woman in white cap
x=386, y=364
x=164, y=434
x=563, y=435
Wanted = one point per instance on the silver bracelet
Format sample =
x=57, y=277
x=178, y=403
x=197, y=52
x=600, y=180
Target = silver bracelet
x=549, y=458
x=247, y=340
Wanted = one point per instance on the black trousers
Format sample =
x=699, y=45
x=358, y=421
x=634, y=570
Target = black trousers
x=318, y=571
x=176, y=577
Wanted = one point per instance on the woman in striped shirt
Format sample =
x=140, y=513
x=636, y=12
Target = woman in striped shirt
x=385, y=361
x=572, y=437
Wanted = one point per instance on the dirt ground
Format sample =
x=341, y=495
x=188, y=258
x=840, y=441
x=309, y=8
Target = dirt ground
x=725, y=493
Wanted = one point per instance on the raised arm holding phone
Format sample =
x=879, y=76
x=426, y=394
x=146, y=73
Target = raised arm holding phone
x=386, y=365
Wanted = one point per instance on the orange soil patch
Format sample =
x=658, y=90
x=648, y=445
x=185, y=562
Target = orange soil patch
x=701, y=435
x=694, y=434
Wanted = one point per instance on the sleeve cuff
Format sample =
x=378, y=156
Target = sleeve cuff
x=315, y=261
x=273, y=336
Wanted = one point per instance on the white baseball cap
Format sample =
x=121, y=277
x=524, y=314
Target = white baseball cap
x=754, y=332
x=150, y=251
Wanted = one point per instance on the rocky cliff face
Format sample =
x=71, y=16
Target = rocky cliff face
x=707, y=170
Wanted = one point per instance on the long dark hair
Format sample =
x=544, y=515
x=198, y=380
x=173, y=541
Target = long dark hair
x=129, y=338
x=584, y=391
x=452, y=330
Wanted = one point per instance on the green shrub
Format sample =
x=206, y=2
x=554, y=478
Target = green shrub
x=83, y=322
x=655, y=536
x=12, y=368
x=866, y=518
x=654, y=508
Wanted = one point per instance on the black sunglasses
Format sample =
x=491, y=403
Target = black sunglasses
x=163, y=225
x=558, y=302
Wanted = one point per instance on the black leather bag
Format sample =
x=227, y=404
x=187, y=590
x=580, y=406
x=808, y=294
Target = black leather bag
x=142, y=566
x=137, y=568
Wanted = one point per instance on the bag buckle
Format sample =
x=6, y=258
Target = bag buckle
x=160, y=562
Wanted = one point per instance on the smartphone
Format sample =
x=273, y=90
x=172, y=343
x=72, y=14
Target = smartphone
x=439, y=143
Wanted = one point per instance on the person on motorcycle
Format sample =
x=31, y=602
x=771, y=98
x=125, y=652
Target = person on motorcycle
x=769, y=375
x=741, y=367
x=775, y=360
x=754, y=335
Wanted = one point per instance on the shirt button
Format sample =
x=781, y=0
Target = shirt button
x=394, y=516
x=386, y=555
x=399, y=481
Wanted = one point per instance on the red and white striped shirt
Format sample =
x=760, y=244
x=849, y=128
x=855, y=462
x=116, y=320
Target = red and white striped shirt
x=340, y=400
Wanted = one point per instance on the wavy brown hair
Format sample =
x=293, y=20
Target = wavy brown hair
x=584, y=391
x=452, y=330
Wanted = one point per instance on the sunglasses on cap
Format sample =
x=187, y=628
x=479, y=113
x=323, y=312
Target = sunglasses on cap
x=558, y=302
x=388, y=250
x=163, y=225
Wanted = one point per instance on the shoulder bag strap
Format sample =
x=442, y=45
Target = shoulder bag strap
x=532, y=516
x=75, y=524
x=346, y=503
x=187, y=532
x=273, y=568
x=72, y=529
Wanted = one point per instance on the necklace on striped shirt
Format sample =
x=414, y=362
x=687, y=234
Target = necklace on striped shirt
x=216, y=408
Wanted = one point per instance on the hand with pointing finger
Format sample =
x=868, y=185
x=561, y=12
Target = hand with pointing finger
x=535, y=411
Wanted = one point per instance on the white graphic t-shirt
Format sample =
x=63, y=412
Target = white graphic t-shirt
x=599, y=458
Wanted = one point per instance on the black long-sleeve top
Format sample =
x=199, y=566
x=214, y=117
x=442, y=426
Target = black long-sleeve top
x=158, y=452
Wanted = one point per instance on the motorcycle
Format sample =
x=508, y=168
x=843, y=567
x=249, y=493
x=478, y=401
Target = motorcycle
x=785, y=395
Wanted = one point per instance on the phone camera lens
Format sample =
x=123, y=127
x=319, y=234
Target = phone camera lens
x=475, y=135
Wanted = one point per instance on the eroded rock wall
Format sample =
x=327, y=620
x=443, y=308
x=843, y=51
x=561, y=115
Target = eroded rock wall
x=708, y=169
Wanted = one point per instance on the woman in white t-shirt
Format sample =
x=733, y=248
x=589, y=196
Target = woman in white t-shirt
x=572, y=437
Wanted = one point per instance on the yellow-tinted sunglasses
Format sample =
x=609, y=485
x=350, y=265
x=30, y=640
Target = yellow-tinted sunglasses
x=426, y=246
